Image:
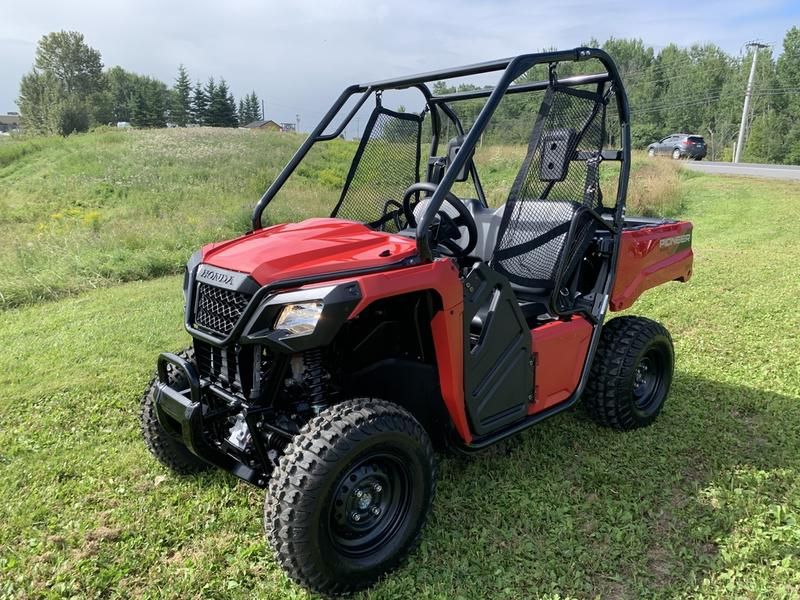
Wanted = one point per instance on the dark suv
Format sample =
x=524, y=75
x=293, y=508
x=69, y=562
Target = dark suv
x=679, y=145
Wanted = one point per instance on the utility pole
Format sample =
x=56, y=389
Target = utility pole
x=297, y=123
x=737, y=154
x=263, y=114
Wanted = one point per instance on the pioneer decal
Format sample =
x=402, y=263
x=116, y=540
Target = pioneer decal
x=677, y=240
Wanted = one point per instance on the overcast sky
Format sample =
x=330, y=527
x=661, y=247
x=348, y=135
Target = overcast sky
x=298, y=54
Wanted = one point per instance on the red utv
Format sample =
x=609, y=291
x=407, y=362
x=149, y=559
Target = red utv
x=328, y=355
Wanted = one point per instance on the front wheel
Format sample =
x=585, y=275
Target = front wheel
x=350, y=495
x=631, y=373
x=651, y=152
x=676, y=154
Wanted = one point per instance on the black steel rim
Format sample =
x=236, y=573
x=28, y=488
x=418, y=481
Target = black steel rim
x=648, y=379
x=370, y=503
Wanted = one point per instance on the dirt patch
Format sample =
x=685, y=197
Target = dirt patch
x=104, y=534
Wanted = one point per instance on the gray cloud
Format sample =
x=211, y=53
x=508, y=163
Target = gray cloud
x=299, y=54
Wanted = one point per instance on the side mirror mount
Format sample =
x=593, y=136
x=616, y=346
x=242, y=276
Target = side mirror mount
x=453, y=148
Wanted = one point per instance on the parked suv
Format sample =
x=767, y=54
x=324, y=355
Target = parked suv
x=679, y=145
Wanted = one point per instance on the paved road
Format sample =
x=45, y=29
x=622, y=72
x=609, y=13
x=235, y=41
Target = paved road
x=746, y=169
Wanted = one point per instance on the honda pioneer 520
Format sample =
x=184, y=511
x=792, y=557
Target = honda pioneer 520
x=330, y=355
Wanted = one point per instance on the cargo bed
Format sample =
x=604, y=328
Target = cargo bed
x=652, y=251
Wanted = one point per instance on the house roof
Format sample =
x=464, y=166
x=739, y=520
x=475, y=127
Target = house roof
x=256, y=124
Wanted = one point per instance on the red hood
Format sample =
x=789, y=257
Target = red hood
x=310, y=247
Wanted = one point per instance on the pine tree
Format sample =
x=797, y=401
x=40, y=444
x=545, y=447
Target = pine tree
x=232, y=117
x=199, y=105
x=255, y=107
x=181, y=110
x=249, y=109
x=215, y=110
x=215, y=107
x=222, y=105
x=148, y=104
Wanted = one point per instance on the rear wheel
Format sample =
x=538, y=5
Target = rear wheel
x=676, y=154
x=350, y=495
x=631, y=373
x=168, y=451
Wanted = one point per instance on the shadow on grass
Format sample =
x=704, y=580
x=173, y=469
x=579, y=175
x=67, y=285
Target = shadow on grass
x=573, y=508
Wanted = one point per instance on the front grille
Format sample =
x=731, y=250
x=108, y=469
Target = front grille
x=218, y=309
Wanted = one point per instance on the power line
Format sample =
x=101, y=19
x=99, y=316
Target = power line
x=651, y=75
x=694, y=101
x=684, y=60
x=655, y=81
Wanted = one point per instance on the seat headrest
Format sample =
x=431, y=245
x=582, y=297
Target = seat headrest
x=558, y=146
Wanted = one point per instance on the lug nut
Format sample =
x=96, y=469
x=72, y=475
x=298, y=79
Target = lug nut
x=376, y=511
x=359, y=493
x=378, y=488
x=355, y=516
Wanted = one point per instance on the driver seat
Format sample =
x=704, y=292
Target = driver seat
x=549, y=220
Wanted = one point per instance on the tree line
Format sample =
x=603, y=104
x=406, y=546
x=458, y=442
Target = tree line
x=68, y=90
x=697, y=90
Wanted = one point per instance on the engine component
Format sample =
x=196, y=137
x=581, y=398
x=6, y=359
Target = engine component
x=239, y=433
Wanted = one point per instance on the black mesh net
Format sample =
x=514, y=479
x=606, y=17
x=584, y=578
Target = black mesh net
x=546, y=220
x=385, y=165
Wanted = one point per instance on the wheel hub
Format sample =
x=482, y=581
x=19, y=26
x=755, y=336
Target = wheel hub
x=364, y=500
x=646, y=380
x=362, y=497
x=368, y=503
x=641, y=372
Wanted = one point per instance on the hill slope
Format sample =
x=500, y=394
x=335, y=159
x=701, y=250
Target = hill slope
x=114, y=206
x=119, y=205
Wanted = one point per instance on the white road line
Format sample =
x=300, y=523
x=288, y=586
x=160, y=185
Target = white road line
x=740, y=166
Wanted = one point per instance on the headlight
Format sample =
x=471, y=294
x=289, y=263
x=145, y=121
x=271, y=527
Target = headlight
x=299, y=319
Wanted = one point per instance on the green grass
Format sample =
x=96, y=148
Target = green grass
x=704, y=504
x=112, y=205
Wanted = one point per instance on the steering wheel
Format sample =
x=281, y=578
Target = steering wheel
x=448, y=227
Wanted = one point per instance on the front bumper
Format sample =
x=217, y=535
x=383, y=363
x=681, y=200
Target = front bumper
x=180, y=413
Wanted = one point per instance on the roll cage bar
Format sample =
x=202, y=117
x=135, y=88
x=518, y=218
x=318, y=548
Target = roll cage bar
x=512, y=69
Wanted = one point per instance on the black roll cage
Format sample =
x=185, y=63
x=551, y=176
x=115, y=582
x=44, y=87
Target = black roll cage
x=512, y=69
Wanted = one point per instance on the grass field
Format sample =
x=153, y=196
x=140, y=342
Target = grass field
x=704, y=504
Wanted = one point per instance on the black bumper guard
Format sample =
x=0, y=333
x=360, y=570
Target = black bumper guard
x=182, y=417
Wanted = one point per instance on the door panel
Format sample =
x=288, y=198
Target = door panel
x=498, y=364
